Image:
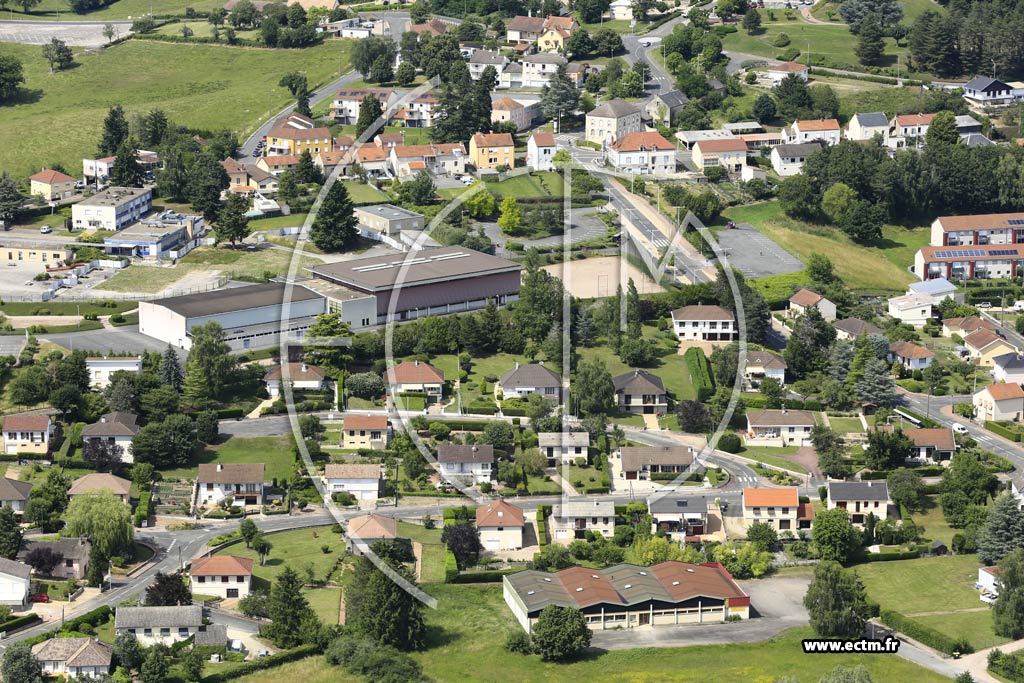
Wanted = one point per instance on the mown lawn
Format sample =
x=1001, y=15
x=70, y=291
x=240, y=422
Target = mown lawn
x=975, y=626
x=539, y=184
x=671, y=367
x=362, y=193
x=295, y=549
x=923, y=585
x=294, y=220
x=466, y=637
x=935, y=526
x=116, y=11
x=145, y=279
x=239, y=262
x=207, y=87
x=773, y=456
x=274, y=451
x=880, y=267
x=326, y=602
x=845, y=425
x=432, y=569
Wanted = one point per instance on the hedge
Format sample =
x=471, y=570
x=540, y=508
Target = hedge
x=19, y=622
x=142, y=509
x=451, y=567
x=487, y=576
x=229, y=413
x=924, y=634
x=482, y=410
x=461, y=425
x=1002, y=431
x=891, y=557
x=758, y=401
x=96, y=617
x=700, y=373
x=301, y=652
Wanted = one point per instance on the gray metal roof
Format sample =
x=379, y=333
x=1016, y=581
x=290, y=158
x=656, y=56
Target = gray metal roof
x=159, y=617
x=584, y=508
x=985, y=83
x=486, y=57
x=939, y=285
x=975, y=140
x=798, y=150
x=638, y=382
x=875, y=119
x=70, y=548
x=856, y=327
x=673, y=98
x=389, y=211
x=465, y=453
x=858, y=490
x=213, y=634
x=235, y=299
x=1009, y=361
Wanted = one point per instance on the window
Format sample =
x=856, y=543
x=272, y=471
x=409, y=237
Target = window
x=147, y=632
x=183, y=632
x=201, y=579
x=166, y=631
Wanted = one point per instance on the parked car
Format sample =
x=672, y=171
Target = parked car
x=1018, y=305
x=984, y=304
x=959, y=428
x=46, y=230
x=262, y=653
x=39, y=597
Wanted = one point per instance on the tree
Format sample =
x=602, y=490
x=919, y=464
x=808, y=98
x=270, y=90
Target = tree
x=870, y=41
x=209, y=365
x=10, y=533
x=462, y=540
x=102, y=455
x=12, y=74
x=419, y=190
x=168, y=590
x=405, y=74
x=906, y=488
x=751, y=21
x=288, y=609
x=887, y=450
x=595, y=391
x=254, y=604
x=798, y=197
x=43, y=559
x=366, y=52
x=762, y=535
x=381, y=70
x=207, y=427
x=21, y=665
x=1008, y=609
x=379, y=608
x=102, y=518
x=46, y=503
x=56, y=52
x=834, y=535
x=773, y=391
x=191, y=662
x=510, y=219
x=876, y=386
x=499, y=435
x=942, y=130
x=837, y=201
x=109, y=31
x=11, y=198
x=579, y=44
x=560, y=97
x=1003, y=532
x=836, y=601
x=607, y=42
x=127, y=651
x=232, y=223
x=693, y=417
x=154, y=666
x=764, y=107
x=115, y=132
x=334, y=228
x=886, y=13
x=370, y=110
x=262, y=547
x=560, y=634
x=126, y=171
x=206, y=180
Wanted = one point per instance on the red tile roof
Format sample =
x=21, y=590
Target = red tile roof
x=222, y=565
x=914, y=119
x=365, y=422
x=817, y=124
x=805, y=298
x=414, y=372
x=1003, y=392
x=499, y=513
x=634, y=142
x=726, y=145
x=49, y=176
x=905, y=349
x=544, y=139
x=789, y=67
x=757, y=497
x=493, y=140
x=26, y=423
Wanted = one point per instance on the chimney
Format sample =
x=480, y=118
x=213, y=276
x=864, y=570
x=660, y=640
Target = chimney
x=501, y=513
x=475, y=449
x=517, y=365
x=305, y=368
x=417, y=363
x=220, y=467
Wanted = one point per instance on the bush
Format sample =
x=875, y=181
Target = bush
x=451, y=567
x=730, y=443
x=519, y=643
x=1002, y=431
x=925, y=634
x=781, y=40
x=142, y=509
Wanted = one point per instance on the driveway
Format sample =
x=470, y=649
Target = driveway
x=74, y=33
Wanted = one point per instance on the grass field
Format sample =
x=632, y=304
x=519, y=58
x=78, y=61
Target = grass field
x=671, y=369
x=17, y=308
x=275, y=451
x=898, y=585
x=466, y=637
x=144, y=279
x=772, y=456
x=911, y=10
x=326, y=602
x=539, y=184
x=933, y=521
x=201, y=86
x=975, y=626
x=846, y=425
x=291, y=221
x=432, y=570
x=296, y=549
x=117, y=11
x=879, y=267
x=362, y=193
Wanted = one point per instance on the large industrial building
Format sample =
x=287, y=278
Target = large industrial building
x=421, y=283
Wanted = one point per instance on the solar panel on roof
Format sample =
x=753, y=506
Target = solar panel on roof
x=1003, y=252
x=1016, y=221
x=681, y=503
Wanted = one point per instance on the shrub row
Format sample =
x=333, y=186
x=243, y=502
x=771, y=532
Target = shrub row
x=865, y=77
x=891, y=557
x=595, y=489
x=924, y=471
x=700, y=372
x=229, y=413
x=1008, y=665
x=18, y=622
x=758, y=401
x=482, y=410
x=487, y=576
x=1002, y=431
x=301, y=652
x=142, y=509
x=96, y=617
x=461, y=425
x=925, y=634
x=451, y=567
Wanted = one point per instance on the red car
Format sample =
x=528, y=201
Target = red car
x=39, y=597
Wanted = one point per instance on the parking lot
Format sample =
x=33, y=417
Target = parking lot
x=754, y=254
x=16, y=279
x=84, y=34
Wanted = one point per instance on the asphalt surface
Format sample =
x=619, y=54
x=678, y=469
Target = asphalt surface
x=755, y=254
x=125, y=339
x=74, y=33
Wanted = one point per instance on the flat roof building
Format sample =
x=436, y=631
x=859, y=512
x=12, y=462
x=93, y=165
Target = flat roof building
x=388, y=219
x=112, y=209
x=162, y=236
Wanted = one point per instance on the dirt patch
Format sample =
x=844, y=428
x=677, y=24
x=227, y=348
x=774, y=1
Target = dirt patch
x=808, y=457
x=599, y=277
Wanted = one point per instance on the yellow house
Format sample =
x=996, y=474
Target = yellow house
x=491, y=150
x=45, y=254
x=556, y=33
x=51, y=185
x=27, y=434
x=293, y=134
x=985, y=345
x=365, y=432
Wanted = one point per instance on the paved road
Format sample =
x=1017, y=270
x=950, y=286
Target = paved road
x=74, y=33
x=932, y=406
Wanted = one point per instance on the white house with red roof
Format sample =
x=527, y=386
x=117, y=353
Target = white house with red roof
x=540, y=151
x=805, y=300
x=776, y=73
x=908, y=130
x=910, y=356
x=809, y=130
x=301, y=376
x=225, y=576
x=643, y=153
x=365, y=432
x=415, y=376
x=727, y=153
x=999, y=402
x=500, y=525
x=364, y=481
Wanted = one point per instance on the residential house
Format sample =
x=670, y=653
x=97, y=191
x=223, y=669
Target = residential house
x=579, y=71
x=859, y=499
x=978, y=230
x=805, y=300
x=776, y=73
x=15, y=583
x=679, y=516
x=250, y=179
x=362, y=481
x=540, y=151
x=965, y=326
x=14, y=494
x=866, y=126
x=159, y=625
x=112, y=209
x=778, y=508
x=432, y=27
x=530, y=378
x=388, y=219
x=932, y=444
x=51, y=185
x=640, y=392
x=115, y=429
x=481, y=59
x=824, y=130
x=984, y=346
x=508, y=110
x=984, y=91
x=571, y=520
x=74, y=551
x=990, y=261
x=500, y=525
x=688, y=138
x=524, y=29
x=294, y=133
x=704, y=323
x=539, y=69
x=347, y=102
x=564, y=447
x=225, y=576
x=27, y=433
x=365, y=432
x=999, y=402
x=101, y=368
x=642, y=463
x=376, y=161
x=364, y=531
x=98, y=170
x=770, y=427
x=492, y=150
x=730, y=154
x=852, y=328
x=642, y=153
x=975, y=140
x=473, y=464
x=240, y=484
x=910, y=356
x=788, y=160
x=909, y=130
x=938, y=289
x=1009, y=367
x=302, y=377
x=415, y=376
x=276, y=165
x=97, y=482
x=556, y=33
x=629, y=596
x=913, y=309
x=418, y=111
x=665, y=106
x=762, y=365
x=73, y=658
x=611, y=120
x=440, y=159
